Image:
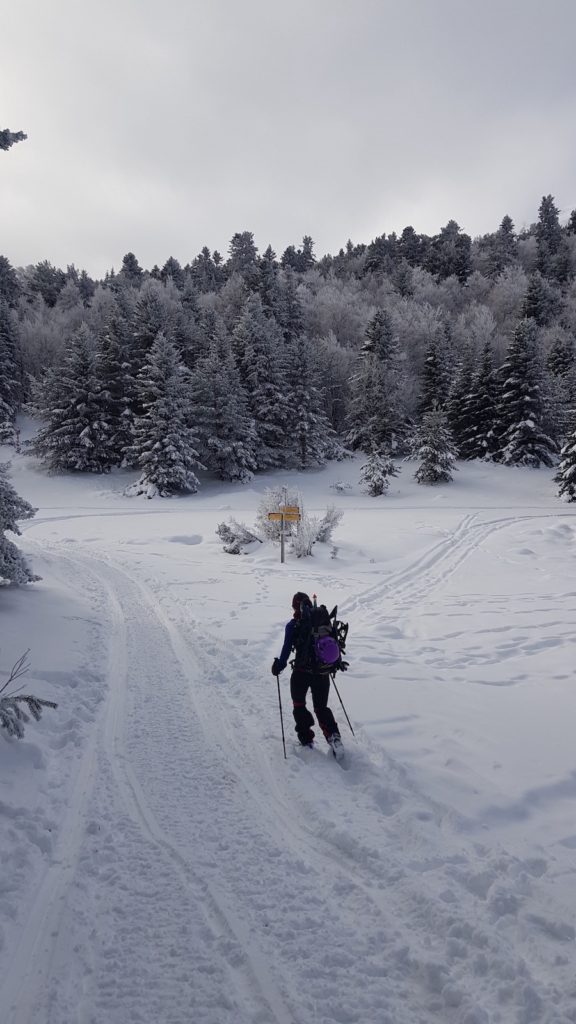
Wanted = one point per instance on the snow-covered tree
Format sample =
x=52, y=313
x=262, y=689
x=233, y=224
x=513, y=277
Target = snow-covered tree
x=311, y=435
x=376, y=472
x=10, y=374
x=13, y=565
x=225, y=428
x=376, y=417
x=164, y=445
x=435, y=380
x=566, y=474
x=480, y=433
x=522, y=410
x=8, y=138
x=76, y=435
x=262, y=360
x=434, y=447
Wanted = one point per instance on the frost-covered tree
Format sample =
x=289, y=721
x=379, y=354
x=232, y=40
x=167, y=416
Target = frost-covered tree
x=13, y=565
x=522, y=410
x=566, y=474
x=76, y=434
x=165, y=446
x=458, y=412
x=225, y=427
x=10, y=288
x=376, y=416
x=118, y=387
x=262, y=360
x=11, y=388
x=553, y=259
x=311, y=436
x=435, y=379
x=434, y=447
x=479, y=438
x=376, y=472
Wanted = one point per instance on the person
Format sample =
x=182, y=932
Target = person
x=306, y=677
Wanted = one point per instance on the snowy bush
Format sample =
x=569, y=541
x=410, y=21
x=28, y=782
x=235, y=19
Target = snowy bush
x=340, y=486
x=328, y=524
x=13, y=565
x=272, y=501
x=16, y=709
x=236, y=536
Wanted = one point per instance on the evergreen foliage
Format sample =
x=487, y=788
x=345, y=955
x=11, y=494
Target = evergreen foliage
x=376, y=472
x=13, y=565
x=77, y=434
x=566, y=475
x=434, y=447
x=524, y=441
x=480, y=431
x=164, y=445
x=8, y=138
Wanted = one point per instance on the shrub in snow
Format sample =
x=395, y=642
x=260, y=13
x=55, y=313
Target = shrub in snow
x=271, y=501
x=13, y=565
x=566, y=475
x=376, y=472
x=434, y=447
x=340, y=487
x=236, y=536
x=328, y=524
x=16, y=709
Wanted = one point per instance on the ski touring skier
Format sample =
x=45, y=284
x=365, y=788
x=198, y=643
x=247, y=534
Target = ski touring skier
x=309, y=672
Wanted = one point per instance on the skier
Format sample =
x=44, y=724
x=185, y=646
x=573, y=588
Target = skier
x=307, y=676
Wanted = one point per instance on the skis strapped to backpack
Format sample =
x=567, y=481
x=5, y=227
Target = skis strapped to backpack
x=319, y=639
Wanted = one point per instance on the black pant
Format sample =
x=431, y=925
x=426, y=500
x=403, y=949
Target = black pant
x=319, y=684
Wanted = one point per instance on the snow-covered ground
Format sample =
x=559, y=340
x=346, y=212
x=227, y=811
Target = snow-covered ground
x=163, y=864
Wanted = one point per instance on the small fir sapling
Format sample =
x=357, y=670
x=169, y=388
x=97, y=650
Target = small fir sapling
x=16, y=709
x=376, y=472
x=236, y=536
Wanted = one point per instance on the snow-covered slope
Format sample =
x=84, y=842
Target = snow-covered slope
x=163, y=864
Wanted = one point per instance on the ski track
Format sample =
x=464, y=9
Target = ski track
x=207, y=881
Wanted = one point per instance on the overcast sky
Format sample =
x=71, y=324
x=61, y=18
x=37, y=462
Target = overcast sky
x=160, y=126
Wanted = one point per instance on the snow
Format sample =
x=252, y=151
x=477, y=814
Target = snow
x=163, y=863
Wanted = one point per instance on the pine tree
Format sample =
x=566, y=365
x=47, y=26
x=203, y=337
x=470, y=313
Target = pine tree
x=522, y=410
x=435, y=381
x=226, y=430
x=131, y=272
x=164, y=445
x=458, y=411
x=566, y=475
x=261, y=358
x=543, y=301
x=243, y=258
x=434, y=447
x=553, y=255
x=118, y=388
x=479, y=439
x=375, y=418
x=11, y=383
x=13, y=565
x=376, y=472
x=450, y=253
x=173, y=271
x=76, y=436
x=502, y=248
x=9, y=285
x=310, y=432
x=269, y=286
x=292, y=316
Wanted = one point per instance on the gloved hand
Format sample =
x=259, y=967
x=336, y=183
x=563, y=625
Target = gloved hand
x=276, y=667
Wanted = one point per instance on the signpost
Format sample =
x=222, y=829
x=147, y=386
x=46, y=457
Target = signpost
x=285, y=514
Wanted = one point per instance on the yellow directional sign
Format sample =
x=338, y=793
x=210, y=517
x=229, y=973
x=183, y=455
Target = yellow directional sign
x=275, y=515
x=290, y=510
x=292, y=517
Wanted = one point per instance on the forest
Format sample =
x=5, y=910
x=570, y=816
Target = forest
x=410, y=343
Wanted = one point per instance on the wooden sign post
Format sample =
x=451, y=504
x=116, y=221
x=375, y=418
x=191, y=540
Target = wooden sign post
x=285, y=514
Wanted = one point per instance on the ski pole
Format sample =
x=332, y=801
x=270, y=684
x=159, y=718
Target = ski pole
x=342, y=703
x=281, y=717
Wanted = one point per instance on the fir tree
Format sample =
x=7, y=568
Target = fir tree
x=458, y=411
x=310, y=432
x=435, y=380
x=11, y=384
x=566, y=475
x=523, y=442
x=76, y=436
x=131, y=272
x=376, y=472
x=9, y=285
x=434, y=447
x=479, y=438
x=502, y=248
x=543, y=302
x=225, y=428
x=173, y=271
x=375, y=418
x=164, y=445
x=269, y=286
x=13, y=565
x=553, y=259
x=118, y=389
x=243, y=258
x=292, y=316
x=261, y=359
